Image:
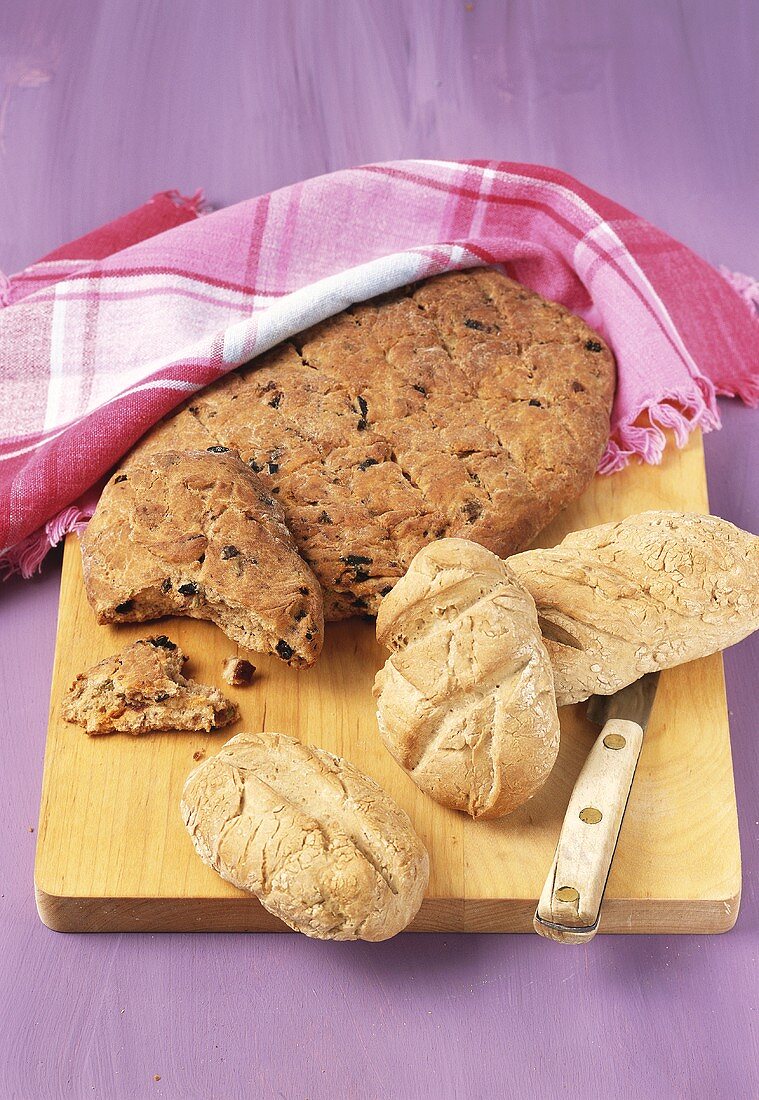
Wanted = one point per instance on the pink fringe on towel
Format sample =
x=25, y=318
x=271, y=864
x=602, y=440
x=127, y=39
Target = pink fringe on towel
x=27, y=556
x=194, y=204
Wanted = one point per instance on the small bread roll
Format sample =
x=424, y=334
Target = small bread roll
x=653, y=591
x=465, y=702
x=321, y=845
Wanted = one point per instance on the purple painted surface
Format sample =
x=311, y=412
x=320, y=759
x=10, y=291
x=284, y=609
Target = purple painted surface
x=100, y=105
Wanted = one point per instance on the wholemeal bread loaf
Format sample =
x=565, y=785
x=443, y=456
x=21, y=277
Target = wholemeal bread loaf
x=323, y=847
x=142, y=689
x=196, y=533
x=465, y=405
x=465, y=702
x=653, y=591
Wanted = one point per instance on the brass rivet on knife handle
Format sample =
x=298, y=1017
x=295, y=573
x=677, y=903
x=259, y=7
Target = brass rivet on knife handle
x=614, y=741
x=590, y=815
x=567, y=893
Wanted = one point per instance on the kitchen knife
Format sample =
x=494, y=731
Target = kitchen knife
x=570, y=904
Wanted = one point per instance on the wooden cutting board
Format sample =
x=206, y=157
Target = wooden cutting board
x=113, y=855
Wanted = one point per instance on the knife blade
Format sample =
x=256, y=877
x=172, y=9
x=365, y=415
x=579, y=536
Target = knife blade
x=569, y=908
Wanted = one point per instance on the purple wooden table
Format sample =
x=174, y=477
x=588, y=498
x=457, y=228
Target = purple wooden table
x=100, y=105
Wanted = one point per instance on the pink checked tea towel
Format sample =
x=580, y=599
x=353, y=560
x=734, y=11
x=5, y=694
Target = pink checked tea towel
x=105, y=336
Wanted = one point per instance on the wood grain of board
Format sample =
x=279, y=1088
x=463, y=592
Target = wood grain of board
x=113, y=855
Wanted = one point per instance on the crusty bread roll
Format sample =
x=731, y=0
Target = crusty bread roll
x=465, y=702
x=322, y=846
x=653, y=591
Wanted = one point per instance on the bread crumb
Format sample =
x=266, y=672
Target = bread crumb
x=237, y=671
x=198, y=755
x=156, y=1077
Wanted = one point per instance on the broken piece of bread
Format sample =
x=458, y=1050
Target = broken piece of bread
x=142, y=689
x=196, y=533
x=465, y=701
x=322, y=846
x=653, y=591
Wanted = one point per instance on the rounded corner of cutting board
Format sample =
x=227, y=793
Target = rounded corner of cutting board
x=53, y=909
x=726, y=911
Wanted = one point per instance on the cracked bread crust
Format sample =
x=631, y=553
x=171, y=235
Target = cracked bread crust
x=196, y=533
x=322, y=846
x=142, y=689
x=653, y=591
x=465, y=405
x=465, y=702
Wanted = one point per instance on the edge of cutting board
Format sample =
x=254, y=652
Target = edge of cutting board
x=240, y=914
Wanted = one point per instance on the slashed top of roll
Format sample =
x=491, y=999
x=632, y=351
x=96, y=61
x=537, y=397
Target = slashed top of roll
x=465, y=702
x=322, y=846
x=650, y=592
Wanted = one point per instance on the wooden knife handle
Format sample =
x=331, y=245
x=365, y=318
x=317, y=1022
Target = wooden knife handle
x=570, y=904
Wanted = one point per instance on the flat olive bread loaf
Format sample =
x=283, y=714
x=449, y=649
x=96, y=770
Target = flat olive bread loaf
x=465, y=405
x=653, y=591
x=322, y=846
x=196, y=533
x=465, y=701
